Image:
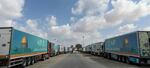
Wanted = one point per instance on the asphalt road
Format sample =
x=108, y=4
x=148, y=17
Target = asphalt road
x=78, y=60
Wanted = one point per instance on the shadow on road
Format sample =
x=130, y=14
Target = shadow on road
x=112, y=63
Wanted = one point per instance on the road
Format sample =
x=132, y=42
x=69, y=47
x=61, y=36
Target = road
x=78, y=60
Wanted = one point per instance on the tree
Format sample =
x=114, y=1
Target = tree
x=78, y=46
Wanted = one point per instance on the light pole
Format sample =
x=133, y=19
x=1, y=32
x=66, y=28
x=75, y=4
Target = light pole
x=83, y=39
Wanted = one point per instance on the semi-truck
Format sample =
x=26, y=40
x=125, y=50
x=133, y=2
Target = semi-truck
x=56, y=49
x=97, y=48
x=20, y=48
x=88, y=49
x=62, y=49
x=52, y=49
x=130, y=48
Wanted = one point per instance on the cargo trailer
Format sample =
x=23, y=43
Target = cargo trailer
x=68, y=49
x=88, y=49
x=20, y=48
x=93, y=49
x=130, y=48
x=83, y=49
x=56, y=49
x=52, y=49
x=62, y=49
x=97, y=48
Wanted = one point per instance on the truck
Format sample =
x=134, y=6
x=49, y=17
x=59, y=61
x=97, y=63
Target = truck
x=133, y=47
x=62, y=49
x=97, y=48
x=56, y=49
x=83, y=49
x=88, y=49
x=20, y=48
x=52, y=49
x=68, y=49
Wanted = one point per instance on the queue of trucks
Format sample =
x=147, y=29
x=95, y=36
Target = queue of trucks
x=18, y=48
x=129, y=48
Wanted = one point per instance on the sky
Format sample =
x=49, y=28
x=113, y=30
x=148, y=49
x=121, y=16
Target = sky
x=68, y=22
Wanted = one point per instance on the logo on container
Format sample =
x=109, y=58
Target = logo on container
x=24, y=41
x=126, y=41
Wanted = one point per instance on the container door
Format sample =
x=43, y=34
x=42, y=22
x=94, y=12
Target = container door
x=144, y=38
x=5, y=36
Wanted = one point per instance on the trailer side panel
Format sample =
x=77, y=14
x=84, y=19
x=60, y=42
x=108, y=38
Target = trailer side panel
x=24, y=44
x=124, y=45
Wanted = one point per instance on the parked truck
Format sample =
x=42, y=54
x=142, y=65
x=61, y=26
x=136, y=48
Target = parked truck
x=62, y=49
x=20, y=48
x=88, y=49
x=130, y=48
x=97, y=48
x=52, y=51
x=57, y=49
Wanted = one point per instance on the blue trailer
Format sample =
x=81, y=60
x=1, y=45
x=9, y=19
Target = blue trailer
x=130, y=48
x=20, y=48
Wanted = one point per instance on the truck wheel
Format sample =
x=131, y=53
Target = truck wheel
x=127, y=60
x=24, y=63
x=33, y=61
x=29, y=61
x=44, y=58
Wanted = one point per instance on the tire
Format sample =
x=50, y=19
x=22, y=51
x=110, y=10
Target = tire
x=44, y=58
x=24, y=63
x=33, y=61
x=127, y=60
x=29, y=61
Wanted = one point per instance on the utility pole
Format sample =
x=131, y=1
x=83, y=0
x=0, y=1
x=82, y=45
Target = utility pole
x=83, y=40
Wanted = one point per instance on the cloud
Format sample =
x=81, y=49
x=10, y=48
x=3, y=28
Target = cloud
x=66, y=35
x=90, y=7
x=124, y=29
x=127, y=10
x=95, y=18
x=36, y=29
x=117, y=15
x=63, y=29
x=10, y=10
x=51, y=20
x=89, y=18
x=127, y=28
x=33, y=27
x=146, y=28
x=89, y=24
